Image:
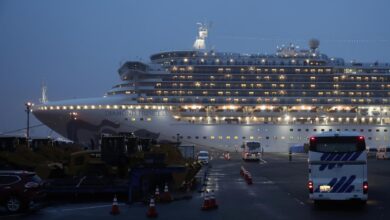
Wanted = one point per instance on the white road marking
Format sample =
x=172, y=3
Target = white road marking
x=82, y=208
x=299, y=201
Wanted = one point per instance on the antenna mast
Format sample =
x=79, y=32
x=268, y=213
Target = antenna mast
x=44, y=99
x=200, y=42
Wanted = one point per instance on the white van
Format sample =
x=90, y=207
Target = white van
x=251, y=150
x=203, y=156
x=383, y=153
x=338, y=167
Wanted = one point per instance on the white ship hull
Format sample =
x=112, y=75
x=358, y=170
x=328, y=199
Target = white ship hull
x=89, y=124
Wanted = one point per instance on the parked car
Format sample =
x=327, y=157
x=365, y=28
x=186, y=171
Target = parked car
x=371, y=152
x=383, y=153
x=19, y=190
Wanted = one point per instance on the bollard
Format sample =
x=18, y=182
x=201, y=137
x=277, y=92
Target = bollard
x=290, y=156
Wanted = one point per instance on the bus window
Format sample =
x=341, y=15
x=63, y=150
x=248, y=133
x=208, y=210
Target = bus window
x=337, y=144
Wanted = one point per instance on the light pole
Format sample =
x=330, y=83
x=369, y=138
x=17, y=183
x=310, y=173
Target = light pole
x=28, y=110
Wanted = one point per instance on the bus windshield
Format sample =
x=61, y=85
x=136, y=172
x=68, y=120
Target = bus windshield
x=337, y=144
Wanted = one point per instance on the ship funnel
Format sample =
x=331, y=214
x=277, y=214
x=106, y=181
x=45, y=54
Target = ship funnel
x=200, y=42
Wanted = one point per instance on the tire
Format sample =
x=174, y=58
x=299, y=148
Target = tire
x=13, y=204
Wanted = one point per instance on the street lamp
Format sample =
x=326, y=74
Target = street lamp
x=28, y=110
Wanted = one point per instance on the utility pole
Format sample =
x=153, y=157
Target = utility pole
x=28, y=110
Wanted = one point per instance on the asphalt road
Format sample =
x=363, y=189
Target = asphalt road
x=278, y=192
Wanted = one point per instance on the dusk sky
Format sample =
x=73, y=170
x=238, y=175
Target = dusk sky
x=76, y=46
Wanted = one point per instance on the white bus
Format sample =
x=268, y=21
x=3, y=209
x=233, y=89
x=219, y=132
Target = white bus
x=251, y=150
x=338, y=167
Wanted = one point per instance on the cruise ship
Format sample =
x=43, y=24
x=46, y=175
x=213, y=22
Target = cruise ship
x=220, y=99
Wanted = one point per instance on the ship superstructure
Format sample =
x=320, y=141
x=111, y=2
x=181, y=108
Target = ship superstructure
x=221, y=99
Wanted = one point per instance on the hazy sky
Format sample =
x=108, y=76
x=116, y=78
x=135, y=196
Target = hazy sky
x=76, y=46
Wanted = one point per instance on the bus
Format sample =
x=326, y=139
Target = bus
x=337, y=167
x=251, y=150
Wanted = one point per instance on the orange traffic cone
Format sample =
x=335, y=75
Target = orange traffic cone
x=157, y=194
x=213, y=202
x=166, y=196
x=206, y=202
x=115, y=207
x=152, y=212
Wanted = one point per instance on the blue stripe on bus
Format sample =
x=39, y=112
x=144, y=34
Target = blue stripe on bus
x=350, y=189
x=347, y=184
x=355, y=156
x=332, y=182
x=338, y=184
x=324, y=155
x=332, y=155
x=337, y=158
x=347, y=156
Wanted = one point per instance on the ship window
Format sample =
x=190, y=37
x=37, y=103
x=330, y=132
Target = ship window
x=267, y=137
x=235, y=137
x=369, y=138
x=369, y=130
x=346, y=129
x=354, y=129
x=228, y=137
x=181, y=137
x=291, y=129
x=141, y=119
x=299, y=129
x=330, y=129
x=196, y=137
x=188, y=137
x=315, y=129
x=204, y=137
x=338, y=129
x=243, y=137
x=322, y=129
x=385, y=130
x=307, y=130
x=212, y=137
